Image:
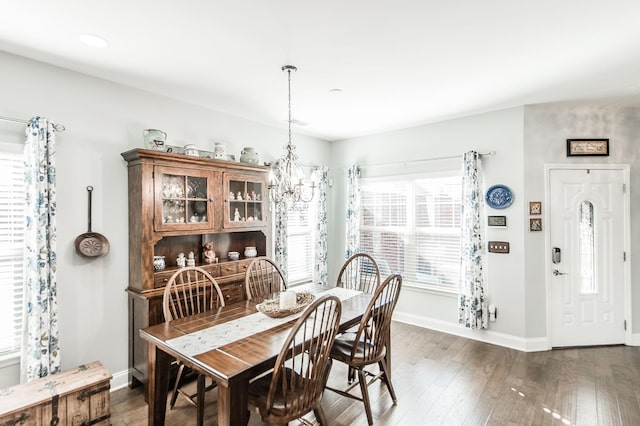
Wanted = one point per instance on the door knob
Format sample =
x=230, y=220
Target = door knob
x=556, y=272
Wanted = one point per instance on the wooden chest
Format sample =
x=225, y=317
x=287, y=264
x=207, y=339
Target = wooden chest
x=75, y=397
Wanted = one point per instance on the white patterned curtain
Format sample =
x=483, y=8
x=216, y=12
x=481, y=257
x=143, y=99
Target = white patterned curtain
x=321, y=227
x=280, y=235
x=472, y=307
x=352, y=234
x=40, y=349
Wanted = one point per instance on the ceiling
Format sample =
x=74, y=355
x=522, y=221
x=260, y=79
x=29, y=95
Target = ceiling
x=398, y=64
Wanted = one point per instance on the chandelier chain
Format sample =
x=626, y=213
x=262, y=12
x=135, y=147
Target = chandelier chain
x=289, y=91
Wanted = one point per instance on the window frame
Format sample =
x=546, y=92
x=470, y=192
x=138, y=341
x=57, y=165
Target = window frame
x=310, y=229
x=12, y=357
x=411, y=227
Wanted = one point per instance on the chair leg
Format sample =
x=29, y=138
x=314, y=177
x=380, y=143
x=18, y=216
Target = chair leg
x=387, y=380
x=200, y=399
x=320, y=417
x=176, y=386
x=387, y=357
x=351, y=375
x=362, y=379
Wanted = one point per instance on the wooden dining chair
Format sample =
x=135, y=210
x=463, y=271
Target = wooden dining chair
x=359, y=272
x=368, y=345
x=263, y=277
x=296, y=384
x=190, y=291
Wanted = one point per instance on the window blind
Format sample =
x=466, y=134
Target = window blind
x=12, y=223
x=411, y=226
x=301, y=244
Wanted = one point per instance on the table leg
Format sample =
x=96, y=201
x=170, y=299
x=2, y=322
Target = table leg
x=158, y=373
x=233, y=402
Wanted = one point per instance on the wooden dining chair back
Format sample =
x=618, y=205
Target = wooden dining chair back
x=190, y=291
x=368, y=345
x=296, y=384
x=359, y=272
x=263, y=277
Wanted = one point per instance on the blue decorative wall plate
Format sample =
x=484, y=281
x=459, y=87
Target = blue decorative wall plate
x=499, y=197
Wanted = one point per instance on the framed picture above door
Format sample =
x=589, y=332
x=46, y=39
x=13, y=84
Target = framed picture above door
x=587, y=147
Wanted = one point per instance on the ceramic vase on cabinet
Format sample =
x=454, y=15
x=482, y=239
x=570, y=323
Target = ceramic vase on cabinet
x=219, y=151
x=154, y=139
x=250, y=252
x=249, y=155
x=158, y=263
x=192, y=150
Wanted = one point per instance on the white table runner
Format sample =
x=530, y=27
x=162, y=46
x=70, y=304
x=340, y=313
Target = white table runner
x=219, y=335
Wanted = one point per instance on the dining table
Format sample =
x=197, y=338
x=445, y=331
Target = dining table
x=231, y=345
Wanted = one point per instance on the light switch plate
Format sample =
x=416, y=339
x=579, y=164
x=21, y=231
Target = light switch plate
x=498, y=247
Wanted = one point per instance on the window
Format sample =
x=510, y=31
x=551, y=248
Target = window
x=587, y=249
x=12, y=222
x=411, y=225
x=301, y=244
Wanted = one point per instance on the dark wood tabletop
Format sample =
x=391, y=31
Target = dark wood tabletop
x=231, y=365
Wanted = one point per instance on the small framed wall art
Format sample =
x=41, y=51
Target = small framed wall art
x=535, y=207
x=587, y=147
x=535, y=224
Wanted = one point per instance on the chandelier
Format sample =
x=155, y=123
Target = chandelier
x=286, y=179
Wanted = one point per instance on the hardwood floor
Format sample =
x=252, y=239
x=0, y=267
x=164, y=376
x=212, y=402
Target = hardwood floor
x=442, y=379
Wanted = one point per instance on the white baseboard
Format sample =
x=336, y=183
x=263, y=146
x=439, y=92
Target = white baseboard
x=634, y=340
x=119, y=380
x=487, y=336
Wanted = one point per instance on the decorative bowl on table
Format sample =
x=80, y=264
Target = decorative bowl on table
x=233, y=255
x=271, y=307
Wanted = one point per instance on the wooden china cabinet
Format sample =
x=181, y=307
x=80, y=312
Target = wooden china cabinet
x=176, y=204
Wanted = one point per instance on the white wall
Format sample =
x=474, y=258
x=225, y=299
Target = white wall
x=547, y=129
x=104, y=119
x=500, y=131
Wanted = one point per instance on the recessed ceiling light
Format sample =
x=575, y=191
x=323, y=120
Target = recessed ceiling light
x=336, y=91
x=93, y=40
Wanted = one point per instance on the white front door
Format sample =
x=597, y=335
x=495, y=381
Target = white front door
x=586, y=230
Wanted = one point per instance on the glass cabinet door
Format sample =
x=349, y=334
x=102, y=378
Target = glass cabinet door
x=245, y=205
x=183, y=201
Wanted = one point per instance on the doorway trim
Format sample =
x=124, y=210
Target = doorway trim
x=625, y=168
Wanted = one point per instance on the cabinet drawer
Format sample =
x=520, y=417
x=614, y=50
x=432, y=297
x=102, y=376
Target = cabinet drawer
x=228, y=268
x=160, y=279
x=243, y=265
x=233, y=293
x=213, y=269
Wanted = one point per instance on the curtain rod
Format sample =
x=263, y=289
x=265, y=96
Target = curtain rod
x=58, y=127
x=423, y=160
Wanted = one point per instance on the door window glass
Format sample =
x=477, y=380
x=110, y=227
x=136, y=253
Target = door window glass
x=587, y=252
